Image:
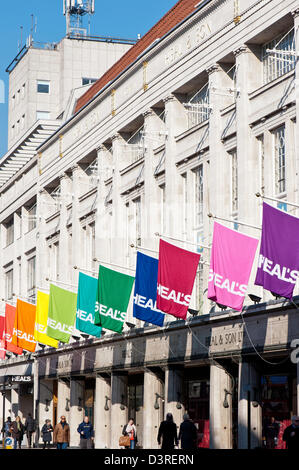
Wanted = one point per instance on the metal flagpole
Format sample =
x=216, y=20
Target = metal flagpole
x=160, y=235
x=155, y=251
x=233, y=221
x=276, y=200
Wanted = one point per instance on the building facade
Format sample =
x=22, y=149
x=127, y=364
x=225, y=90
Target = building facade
x=195, y=119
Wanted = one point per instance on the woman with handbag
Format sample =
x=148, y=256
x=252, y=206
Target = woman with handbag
x=129, y=431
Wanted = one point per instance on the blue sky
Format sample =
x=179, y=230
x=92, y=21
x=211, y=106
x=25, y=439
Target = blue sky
x=117, y=18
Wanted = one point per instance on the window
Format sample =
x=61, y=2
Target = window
x=137, y=203
x=87, y=81
x=9, y=284
x=185, y=205
x=9, y=232
x=234, y=182
x=261, y=147
x=276, y=65
x=32, y=218
x=162, y=205
x=43, y=86
x=198, y=107
x=42, y=115
x=31, y=275
x=199, y=196
x=279, y=157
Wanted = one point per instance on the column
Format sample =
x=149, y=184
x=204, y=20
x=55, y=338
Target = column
x=219, y=162
x=14, y=402
x=295, y=14
x=102, y=413
x=76, y=410
x=220, y=416
x=45, y=408
x=152, y=197
x=176, y=123
x=76, y=260
x=174, y=384
x=249, y=408
x=65, y=198
x=119, y=407
x=63, y=400
x=42, y=266
x=248, y=78
x=152, y=409
x=118, y=248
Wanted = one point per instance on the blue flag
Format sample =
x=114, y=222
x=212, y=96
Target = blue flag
x=145, y=293
x=86, y=303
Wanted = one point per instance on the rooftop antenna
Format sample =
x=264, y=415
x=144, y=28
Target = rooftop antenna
x=20, y=43
x=74, y=11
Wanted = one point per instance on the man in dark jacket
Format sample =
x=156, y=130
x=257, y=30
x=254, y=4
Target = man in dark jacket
x=29, y=429
x=86, y=432
x=7, y=426
x=168, y=433
x=17, y=432
x=188, y=434
x=271, y=433
x=291, y=434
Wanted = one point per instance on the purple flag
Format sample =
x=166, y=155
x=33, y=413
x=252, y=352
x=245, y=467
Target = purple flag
x=278, y=262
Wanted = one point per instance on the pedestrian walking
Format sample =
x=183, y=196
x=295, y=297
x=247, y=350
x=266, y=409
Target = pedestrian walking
x=271, y=432
x=7, y=426
x=46, y=431
x=291, y=434
x=61, y=436
x=85, y=429
x=17, y=431
x=131, y=431
x=188, y=434
x=29, y=429
x=168, y=433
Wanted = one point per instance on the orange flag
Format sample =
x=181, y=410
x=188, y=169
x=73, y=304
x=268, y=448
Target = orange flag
x=23, y=334
x=10, y=313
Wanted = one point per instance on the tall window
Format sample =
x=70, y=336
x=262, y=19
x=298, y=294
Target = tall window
x=279, y=157
x=32, y=218
x=137, y=203
x=43, y=86
x=9, y=284
x=198, y=107
x=9, y=232
x=276, y=65
x=199, y=196
x=185, y=205
x=234, y=182
x=261, y=147
x=162, y=205
x=31, y=276
x=87, y=81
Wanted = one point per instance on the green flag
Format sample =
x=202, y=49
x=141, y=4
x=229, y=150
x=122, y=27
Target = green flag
x=86, y=304
x=62, y=313
x=114, y=290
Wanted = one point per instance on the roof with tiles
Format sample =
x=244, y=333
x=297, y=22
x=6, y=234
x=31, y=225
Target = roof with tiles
x=173, y=17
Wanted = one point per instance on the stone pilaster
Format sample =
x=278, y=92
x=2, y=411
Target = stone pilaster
x=174, y=391
x=119, y=407
x=76, y=410
x=152, y=409
x=102, y=418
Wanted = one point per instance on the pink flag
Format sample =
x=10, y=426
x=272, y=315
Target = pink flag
x=176, y=275
x=2, y=341
x=232, y=257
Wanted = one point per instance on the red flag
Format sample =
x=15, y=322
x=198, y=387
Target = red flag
x=23, y=334
x=176, y=276
x=2, y=341
x=10, y=313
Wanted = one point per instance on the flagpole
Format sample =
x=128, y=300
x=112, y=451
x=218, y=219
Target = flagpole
x=233, y=221
x=160, y=235
x=112, y=264
x=60, y=282
x=276, y=200
x=155, y=251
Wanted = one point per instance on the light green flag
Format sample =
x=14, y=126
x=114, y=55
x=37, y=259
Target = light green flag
x=113, y=295
x=62, y=313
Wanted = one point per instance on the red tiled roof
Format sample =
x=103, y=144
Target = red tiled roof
x=174, y=16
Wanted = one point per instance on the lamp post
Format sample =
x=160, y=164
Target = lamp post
x=3, y=411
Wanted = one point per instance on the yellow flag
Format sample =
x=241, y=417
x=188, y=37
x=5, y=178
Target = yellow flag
x=41, y=321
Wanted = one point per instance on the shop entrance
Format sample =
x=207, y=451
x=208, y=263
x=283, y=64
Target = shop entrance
x=135, y=404
x=278, y=396
x=197, y=393
x=89, y=399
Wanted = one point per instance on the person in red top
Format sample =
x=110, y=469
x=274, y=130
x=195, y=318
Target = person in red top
x=130, y=430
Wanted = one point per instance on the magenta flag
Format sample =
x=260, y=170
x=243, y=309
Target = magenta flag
x=278, y=265
x=231, y=262
x=176, y=275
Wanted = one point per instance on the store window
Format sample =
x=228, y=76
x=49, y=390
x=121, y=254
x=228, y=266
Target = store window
x=43, y=86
